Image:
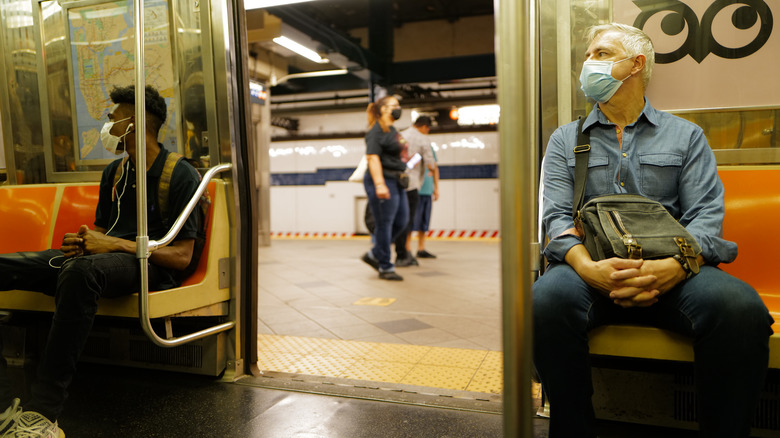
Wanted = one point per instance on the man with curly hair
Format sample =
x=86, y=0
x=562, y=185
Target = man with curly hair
x=98, y=262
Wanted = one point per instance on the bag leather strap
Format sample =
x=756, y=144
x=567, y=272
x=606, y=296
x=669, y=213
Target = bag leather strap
x=581, y=153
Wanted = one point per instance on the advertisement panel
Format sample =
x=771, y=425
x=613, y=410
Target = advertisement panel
x=709, y=54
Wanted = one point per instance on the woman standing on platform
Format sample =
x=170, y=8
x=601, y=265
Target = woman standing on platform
x=385, y=183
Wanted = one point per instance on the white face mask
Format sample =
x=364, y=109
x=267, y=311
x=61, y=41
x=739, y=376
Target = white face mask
x=111, y=141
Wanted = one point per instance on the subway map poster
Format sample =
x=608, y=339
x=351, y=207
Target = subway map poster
x=102, y=46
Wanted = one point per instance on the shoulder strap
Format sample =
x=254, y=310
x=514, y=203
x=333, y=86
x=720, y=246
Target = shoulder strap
x=164, y=188
x=581, y=152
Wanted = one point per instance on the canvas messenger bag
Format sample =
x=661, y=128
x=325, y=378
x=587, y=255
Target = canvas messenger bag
x=627, y=226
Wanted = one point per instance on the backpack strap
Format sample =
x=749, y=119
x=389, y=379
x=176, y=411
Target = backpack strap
x=164, y=188
x=581, y=152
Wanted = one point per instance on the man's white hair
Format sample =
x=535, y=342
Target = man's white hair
x=635, y=42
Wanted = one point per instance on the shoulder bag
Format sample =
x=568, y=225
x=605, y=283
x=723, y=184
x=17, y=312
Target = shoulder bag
x=627, y=226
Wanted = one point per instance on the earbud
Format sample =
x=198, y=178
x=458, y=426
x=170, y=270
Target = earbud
x=130, y=126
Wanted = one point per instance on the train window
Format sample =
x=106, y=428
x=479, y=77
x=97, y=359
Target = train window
x=3, y=176
x=740, y=136
x=63, y=58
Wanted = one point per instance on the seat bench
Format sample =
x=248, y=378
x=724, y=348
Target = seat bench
x=36, y=217
x=752, y=208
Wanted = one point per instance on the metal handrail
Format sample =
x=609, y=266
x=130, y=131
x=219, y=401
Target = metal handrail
x=142, y=239
x=143, y=297
x=185, y=213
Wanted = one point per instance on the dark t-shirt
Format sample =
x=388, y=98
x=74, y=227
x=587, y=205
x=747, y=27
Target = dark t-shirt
x=388, y=145
x=184, y=183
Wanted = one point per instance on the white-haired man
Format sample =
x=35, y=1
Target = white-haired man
x=639, y=150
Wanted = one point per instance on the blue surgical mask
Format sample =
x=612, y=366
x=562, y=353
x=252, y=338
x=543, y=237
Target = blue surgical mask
x=597, y=82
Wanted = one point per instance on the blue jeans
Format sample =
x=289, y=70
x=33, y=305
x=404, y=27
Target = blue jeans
x=725, y=317
x=76, y=287
x=390, y=218
x=400, y=241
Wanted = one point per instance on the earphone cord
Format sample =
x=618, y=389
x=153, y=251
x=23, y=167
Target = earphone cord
x=118, y=210
x=119, y=196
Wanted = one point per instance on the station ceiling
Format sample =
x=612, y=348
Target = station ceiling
x=397, y=44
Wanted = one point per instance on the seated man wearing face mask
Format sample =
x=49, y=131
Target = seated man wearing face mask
x=93, y=263
x=636, y=149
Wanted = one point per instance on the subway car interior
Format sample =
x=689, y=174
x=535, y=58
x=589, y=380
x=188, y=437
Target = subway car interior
x=282, y=330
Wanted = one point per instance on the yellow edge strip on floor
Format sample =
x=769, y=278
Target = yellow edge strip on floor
x=361, y=237
x=437, y=367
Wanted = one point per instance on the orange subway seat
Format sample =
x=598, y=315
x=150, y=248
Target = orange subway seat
x=752, y=208
x=26, y=214
x=77, y=208
x=200, y=272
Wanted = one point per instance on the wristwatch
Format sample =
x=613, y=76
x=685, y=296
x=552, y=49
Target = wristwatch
x=686, y=267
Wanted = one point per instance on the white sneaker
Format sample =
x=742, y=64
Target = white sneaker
x=33, y=425
x=8, y=417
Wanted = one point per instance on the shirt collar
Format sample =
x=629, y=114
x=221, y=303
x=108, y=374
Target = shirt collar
x=649, y=114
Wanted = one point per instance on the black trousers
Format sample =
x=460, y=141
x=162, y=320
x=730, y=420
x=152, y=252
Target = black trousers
x=76, y=285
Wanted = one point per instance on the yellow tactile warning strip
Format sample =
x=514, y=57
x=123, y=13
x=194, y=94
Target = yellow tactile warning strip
x=437, y=367
x=458, y=236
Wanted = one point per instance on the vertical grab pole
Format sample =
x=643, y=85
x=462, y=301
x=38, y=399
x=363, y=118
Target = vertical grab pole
x=142, y=239
x=517, y=69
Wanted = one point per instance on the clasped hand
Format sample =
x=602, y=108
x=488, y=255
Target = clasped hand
x=85, y=241
x=634, y=283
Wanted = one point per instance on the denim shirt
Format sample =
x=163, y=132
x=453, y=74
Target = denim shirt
x=663, y=157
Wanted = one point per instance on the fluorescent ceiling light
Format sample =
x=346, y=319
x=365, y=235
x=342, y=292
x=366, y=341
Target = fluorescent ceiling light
x=309, y=74
x=478, y=115
x=257, y=4
x=299, y=49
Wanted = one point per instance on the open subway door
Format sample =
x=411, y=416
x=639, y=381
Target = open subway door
x=64, y=57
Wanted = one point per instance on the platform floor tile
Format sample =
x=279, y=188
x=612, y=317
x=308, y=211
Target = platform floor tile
x=436, y=367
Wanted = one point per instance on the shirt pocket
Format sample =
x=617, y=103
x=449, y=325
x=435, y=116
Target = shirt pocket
x=659, y=174
x=598, y=175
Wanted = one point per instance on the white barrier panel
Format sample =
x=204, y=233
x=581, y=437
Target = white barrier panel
x=305, y=200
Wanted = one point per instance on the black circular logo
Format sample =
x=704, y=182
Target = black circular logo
x=700, y=41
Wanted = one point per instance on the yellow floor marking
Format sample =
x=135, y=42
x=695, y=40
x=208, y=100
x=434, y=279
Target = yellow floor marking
x=374, y=301
x=378, y=371
x=440, y=376
x=454, y=357
x=352, y=237
x=438, y=367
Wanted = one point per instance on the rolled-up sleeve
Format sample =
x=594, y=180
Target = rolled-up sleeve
x=557, y=193
x=702, y=204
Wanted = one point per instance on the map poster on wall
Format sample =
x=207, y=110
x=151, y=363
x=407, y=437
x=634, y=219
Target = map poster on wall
x=709, y=53
x=102, y=43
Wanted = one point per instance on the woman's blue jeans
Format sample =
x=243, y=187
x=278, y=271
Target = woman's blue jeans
x=729, y=324
x=390, y=218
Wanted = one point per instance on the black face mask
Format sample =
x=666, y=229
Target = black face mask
x=396, y=113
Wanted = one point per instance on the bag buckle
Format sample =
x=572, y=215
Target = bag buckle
x=633, y=248
x=687, y=251
x=582, y=148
